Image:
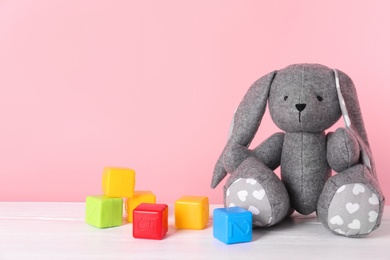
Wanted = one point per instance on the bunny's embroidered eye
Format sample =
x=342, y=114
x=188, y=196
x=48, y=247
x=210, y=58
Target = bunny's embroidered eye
x=285, y=97
x=319, y=98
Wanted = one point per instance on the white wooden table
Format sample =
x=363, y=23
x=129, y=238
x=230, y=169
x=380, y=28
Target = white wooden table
x=58, y=231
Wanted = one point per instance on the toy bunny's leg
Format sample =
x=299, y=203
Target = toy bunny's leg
x=255, y=187
x=351, y=203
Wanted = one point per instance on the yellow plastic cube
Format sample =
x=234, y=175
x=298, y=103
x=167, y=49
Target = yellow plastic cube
x=118, y=182
x=192, y=212
x=138, y=198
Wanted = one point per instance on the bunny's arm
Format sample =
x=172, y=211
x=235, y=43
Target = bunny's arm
x=342, y=149
x=268, y=152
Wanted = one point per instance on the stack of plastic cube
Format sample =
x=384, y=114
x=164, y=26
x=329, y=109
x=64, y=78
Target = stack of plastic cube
x=150, y=220
x=106, y=210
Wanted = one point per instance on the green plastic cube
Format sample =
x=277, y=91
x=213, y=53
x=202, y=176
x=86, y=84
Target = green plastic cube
x=103, y=212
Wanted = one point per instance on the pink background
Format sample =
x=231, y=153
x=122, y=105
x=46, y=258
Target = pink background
x=152, y=85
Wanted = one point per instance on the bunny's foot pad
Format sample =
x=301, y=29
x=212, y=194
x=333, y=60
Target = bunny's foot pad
x=353, y=210
x=248, y=194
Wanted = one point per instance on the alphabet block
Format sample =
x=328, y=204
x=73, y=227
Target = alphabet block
x=138, y=198
x=232, y=225
x=103, y=212
x=150, y=221
x=118, y=182
x=192, y=212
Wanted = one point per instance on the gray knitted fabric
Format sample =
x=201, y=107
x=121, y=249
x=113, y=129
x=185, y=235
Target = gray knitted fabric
x=304, y=100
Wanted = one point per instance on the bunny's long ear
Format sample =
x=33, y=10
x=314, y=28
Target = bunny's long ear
x=246, y=121
x=353, y=119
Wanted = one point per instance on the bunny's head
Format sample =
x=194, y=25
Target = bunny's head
x=304, y=98
x=301, y=98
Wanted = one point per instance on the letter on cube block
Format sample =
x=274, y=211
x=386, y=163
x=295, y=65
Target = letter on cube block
x=232, y=225
x=192, y=212
x=103, y=212
x=138, y=198
x=150, y=221
x=118, y=182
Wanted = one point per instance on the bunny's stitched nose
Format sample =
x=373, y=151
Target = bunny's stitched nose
x=300, y=107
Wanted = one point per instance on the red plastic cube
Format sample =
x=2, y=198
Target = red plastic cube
x=150, y=221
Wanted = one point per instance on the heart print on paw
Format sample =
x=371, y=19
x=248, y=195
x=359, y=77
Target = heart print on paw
x=250, y=195
x=353, y=210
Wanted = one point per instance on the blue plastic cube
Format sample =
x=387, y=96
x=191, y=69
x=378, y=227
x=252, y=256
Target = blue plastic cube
x=232, y=225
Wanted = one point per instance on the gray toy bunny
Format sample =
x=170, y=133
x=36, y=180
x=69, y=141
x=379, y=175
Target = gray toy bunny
x=304, y=100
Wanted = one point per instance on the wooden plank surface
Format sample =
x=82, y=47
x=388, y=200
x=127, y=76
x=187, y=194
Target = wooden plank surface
x=57, y=231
